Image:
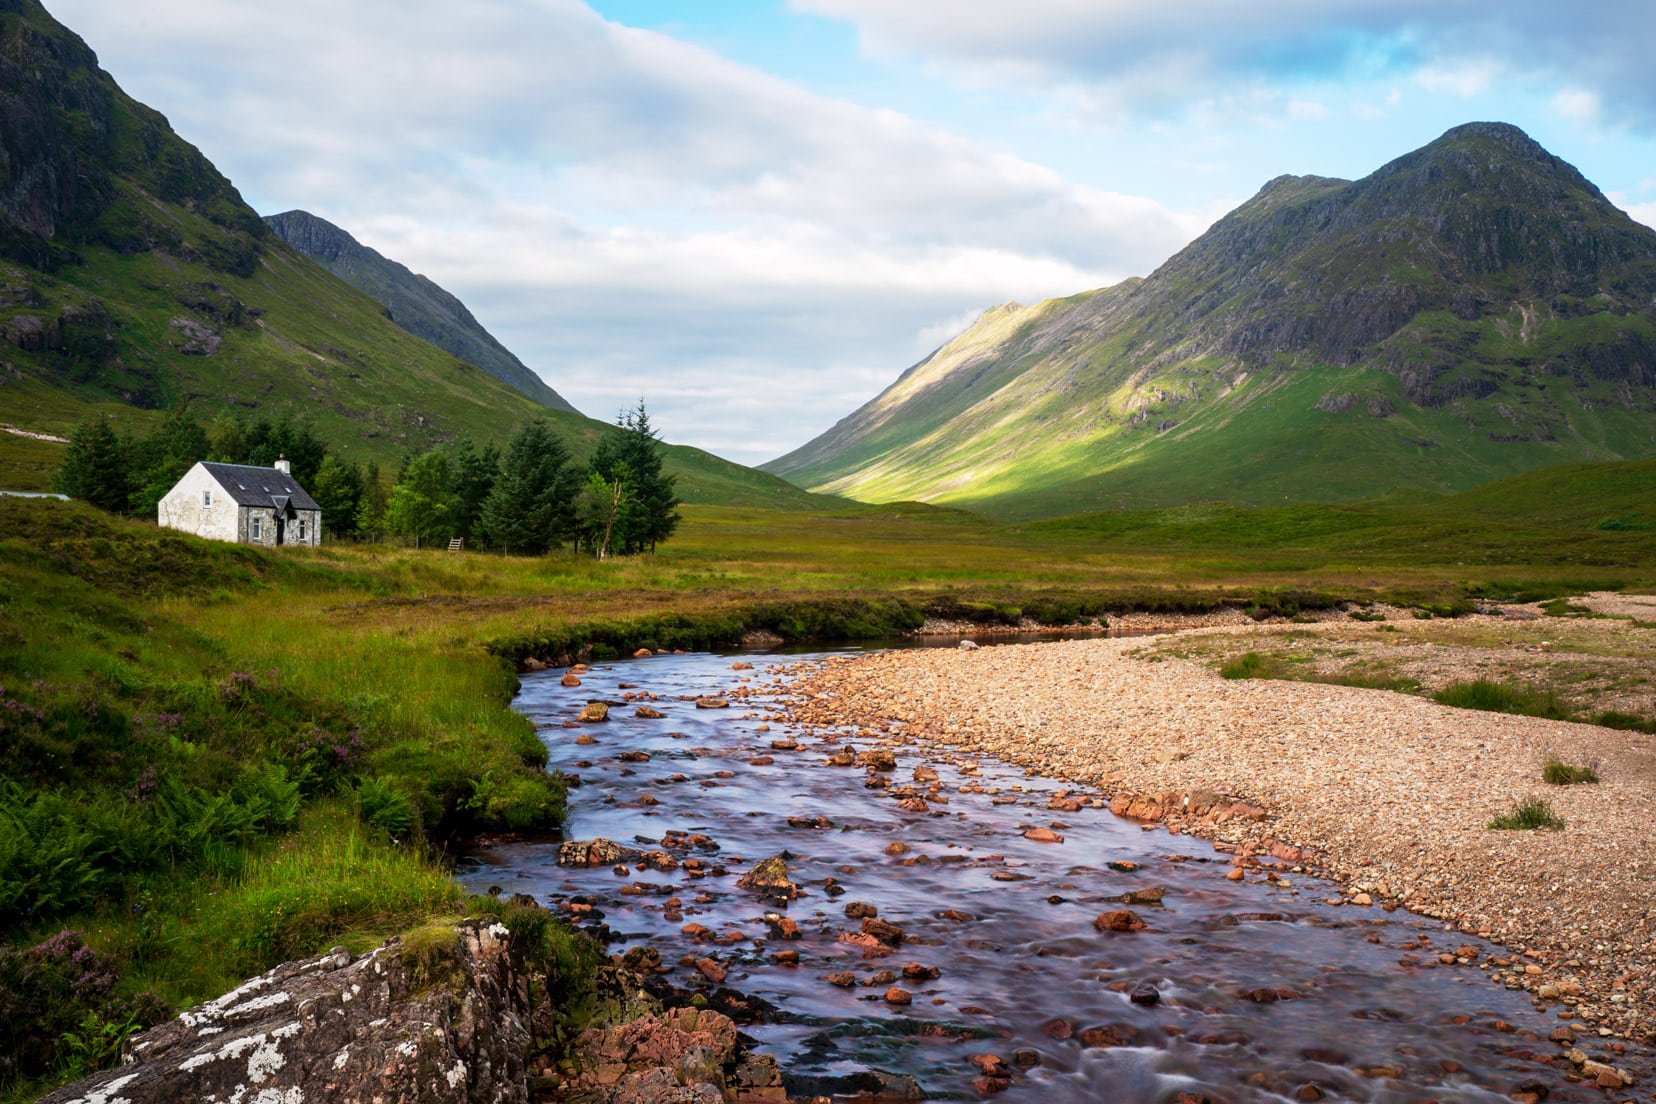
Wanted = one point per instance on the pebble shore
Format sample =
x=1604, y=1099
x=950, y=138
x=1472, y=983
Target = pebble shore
x=1387, y=793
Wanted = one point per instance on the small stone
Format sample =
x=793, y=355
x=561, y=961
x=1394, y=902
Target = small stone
x=895, y=995
x=712, y=703
x=570, y=680
x=845, y=979
x=1145, y=994
x=594, y=712
x=1043, y=835
x=897, y=847
x=858, y=910
x=643, y=653
x=1119, y=920
x=648, y=713
x=711, y=970
x=1362, y=899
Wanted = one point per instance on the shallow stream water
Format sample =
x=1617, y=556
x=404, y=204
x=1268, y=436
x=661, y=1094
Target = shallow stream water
x=1234, y=990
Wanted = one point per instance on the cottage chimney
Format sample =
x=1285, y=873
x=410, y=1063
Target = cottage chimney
x=283, y=466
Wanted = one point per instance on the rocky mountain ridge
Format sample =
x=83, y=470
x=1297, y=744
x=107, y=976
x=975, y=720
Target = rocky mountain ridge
x=414, y=302
x=1470, y=310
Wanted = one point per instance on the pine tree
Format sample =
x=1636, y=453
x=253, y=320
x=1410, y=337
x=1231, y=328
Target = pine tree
x=654, y=514
x=529, y=509
x=475, y=471
x=94, y=468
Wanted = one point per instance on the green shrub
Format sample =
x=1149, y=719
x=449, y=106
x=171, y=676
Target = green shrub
x=1366, y=615
x=1556, y=772
x=1530, y=814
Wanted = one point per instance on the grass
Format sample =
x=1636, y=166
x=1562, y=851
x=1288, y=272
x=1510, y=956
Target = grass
x=1500, y=697
x=1528, y=815
x=1556, y=772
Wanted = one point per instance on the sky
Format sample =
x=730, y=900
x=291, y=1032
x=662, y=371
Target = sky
x=755, y=214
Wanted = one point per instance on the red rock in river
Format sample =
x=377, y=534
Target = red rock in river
x=1043, y=835
x=769, y=878
x=1119, y=920
x=570, y=680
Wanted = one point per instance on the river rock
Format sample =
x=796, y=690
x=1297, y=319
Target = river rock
x=1119, y=920
x=593, y=712
x=1150, y=896
x=878, y=759
x=648, y=713
x=449, y=1023
x=858, y=910
x=712, y=703
x=678, y=1056
x=643, y=653
x=1043, y=835
x=888, y=933
x=596, y=852
x=769, y=879
x=895, y=995
x=570, y=680
x=1112, y=1035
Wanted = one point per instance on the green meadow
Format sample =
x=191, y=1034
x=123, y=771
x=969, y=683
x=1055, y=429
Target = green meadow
x=214, y=758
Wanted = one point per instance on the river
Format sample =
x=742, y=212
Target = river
x=1268, y=988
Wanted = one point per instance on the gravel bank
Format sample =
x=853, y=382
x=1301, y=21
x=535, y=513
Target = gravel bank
x=1389, y=793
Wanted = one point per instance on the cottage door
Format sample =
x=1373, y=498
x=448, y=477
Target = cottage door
x=281, y=529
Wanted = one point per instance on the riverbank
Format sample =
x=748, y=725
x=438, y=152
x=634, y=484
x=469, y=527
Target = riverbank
x=1386, y=792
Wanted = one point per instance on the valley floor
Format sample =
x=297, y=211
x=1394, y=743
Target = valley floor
x=1388, y=792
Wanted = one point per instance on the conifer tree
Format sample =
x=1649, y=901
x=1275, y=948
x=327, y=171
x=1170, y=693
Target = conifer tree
x=528, y=511
x=94, y=468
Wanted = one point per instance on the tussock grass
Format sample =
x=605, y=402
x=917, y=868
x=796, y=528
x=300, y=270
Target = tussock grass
x=1528, y=814
x=1556, y=772
x=1501, y=697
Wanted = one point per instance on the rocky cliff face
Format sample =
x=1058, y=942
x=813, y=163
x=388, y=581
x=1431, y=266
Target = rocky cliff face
x=1468, y=311
x=79, y=160
x=413, y=302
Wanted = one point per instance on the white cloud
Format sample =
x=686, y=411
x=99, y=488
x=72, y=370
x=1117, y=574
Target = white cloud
x=628, y=212
x=1152, y=58
x=1464, y=78
x=1577, y=105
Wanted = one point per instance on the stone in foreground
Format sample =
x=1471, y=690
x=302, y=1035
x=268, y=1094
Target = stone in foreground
x=343, y=1030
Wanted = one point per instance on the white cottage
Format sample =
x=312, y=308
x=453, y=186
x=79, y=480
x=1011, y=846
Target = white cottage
x=241, y=503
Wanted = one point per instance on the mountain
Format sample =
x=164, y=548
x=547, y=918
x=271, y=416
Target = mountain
x=1472, y=310
x=135, y=280
x=413, y=302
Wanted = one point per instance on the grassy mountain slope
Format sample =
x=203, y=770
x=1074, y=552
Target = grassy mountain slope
x=133, y=279
x=1468, y=311
x=413, y=302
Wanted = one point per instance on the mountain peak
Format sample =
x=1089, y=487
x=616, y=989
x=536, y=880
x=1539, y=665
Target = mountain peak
x=1471, y=309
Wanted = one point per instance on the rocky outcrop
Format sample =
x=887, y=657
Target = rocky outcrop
x=445, y=1018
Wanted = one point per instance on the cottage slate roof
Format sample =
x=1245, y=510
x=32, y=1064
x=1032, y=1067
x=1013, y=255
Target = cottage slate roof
x=251, y=486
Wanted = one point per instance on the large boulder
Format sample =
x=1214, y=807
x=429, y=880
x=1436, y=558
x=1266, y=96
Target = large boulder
x=442, y=1017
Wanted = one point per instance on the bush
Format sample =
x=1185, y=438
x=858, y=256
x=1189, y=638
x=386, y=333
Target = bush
x=1530, y=814
x=1556, y=772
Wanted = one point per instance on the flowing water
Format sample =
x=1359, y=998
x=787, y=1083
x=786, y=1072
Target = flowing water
x=1237, y=991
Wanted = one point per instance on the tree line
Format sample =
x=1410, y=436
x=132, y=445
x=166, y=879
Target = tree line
x=526, y=500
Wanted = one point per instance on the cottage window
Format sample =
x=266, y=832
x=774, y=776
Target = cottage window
x=206, y=499
x=258, y=528
x=301, y=531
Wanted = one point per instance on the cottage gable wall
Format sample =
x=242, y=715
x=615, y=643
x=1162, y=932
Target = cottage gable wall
x=184, y=507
